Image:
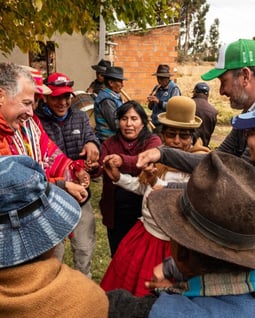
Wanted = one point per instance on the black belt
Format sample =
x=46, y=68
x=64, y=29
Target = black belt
x=26, y=210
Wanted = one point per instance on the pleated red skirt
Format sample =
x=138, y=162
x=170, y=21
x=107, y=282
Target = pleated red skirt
x=132, y=265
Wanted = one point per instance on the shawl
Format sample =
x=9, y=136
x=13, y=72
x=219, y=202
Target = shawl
x=214, y=284
x=49, y=289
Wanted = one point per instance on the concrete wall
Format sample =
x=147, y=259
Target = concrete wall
x=74, y=56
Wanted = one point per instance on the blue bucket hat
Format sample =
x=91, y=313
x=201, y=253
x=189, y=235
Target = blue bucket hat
x=244, y=121
x=34, y=215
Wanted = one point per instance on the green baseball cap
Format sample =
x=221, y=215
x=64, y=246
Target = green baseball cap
x=232, y=56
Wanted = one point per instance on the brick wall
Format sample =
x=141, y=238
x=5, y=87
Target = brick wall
x=140, y=53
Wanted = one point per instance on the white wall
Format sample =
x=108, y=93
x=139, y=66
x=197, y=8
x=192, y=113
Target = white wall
x=74, y=56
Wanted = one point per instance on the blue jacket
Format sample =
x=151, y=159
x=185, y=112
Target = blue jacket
x=106, y=104
x=178, y=306
x=163, y=94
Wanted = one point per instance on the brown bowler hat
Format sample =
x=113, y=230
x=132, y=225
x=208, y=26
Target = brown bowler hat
x=180, y=113
x=215, y=214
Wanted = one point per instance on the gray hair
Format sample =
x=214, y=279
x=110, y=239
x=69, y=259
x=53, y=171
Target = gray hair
x=10, y=75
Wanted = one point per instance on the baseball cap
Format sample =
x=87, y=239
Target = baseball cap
x=232, y=56
x=244, y=121
x=201, y=88
x=34, y=215
x=59, y=83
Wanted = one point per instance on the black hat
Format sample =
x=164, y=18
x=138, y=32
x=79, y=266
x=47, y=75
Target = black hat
x=201, y=87
x=101, y=66
x=163, y=71
x=115, y=72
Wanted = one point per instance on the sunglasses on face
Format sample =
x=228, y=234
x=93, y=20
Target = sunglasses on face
x=182, y=134
x=60, y=83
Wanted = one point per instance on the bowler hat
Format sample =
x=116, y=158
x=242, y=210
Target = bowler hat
x=114, y=72
x=163, y=71
x=34, y=215
x=215, y=213
x=180, y=113
x=101, y=66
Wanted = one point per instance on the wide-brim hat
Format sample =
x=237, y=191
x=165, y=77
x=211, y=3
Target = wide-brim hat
x=41, y=88
x=180, y=113
x=232, y=56
x=215, y=214
x=59, y=84
x=101, y=66
x=34, y=215
x=244, y=121
x=115, y=72
x=163, y=70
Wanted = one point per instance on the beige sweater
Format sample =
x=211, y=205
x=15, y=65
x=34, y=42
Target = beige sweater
x=48, y=289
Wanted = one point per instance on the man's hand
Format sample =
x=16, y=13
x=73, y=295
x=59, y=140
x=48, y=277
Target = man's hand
x=152, y=98
x=111, y=164
x=91, y=152
x=147, y=157
x=83, y=178
x=158, y=280
x=77, y=191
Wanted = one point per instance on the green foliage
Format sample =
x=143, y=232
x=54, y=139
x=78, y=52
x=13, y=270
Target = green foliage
x=23, y=22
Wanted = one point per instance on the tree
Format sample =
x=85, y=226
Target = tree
x=24, y=22
x=199, y=31
x=213, y=40
x=192, y=18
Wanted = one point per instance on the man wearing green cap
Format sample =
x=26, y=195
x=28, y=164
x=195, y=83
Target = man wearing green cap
x=236, y=71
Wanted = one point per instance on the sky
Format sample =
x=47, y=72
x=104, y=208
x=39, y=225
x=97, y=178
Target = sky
x=237, y=19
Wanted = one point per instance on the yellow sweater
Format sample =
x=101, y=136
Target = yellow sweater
x=48, y=289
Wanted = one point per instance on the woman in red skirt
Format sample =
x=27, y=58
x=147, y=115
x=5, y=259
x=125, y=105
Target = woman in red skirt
x=145, y=245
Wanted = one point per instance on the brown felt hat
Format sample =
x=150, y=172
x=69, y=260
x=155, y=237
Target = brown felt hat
x=163, y=70
x=215, y=213
x=180, y=113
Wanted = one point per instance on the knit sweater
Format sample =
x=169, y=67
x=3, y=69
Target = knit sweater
x=49, y=289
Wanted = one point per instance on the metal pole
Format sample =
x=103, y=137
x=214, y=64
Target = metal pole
x=101, y=38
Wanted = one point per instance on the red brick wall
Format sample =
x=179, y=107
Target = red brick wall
x=140, y=53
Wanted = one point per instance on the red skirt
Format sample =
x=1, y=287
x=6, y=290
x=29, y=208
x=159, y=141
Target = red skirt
x=132, y=265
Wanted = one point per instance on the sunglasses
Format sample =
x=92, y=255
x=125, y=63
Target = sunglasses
x=173, y=134
x=60, y=83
